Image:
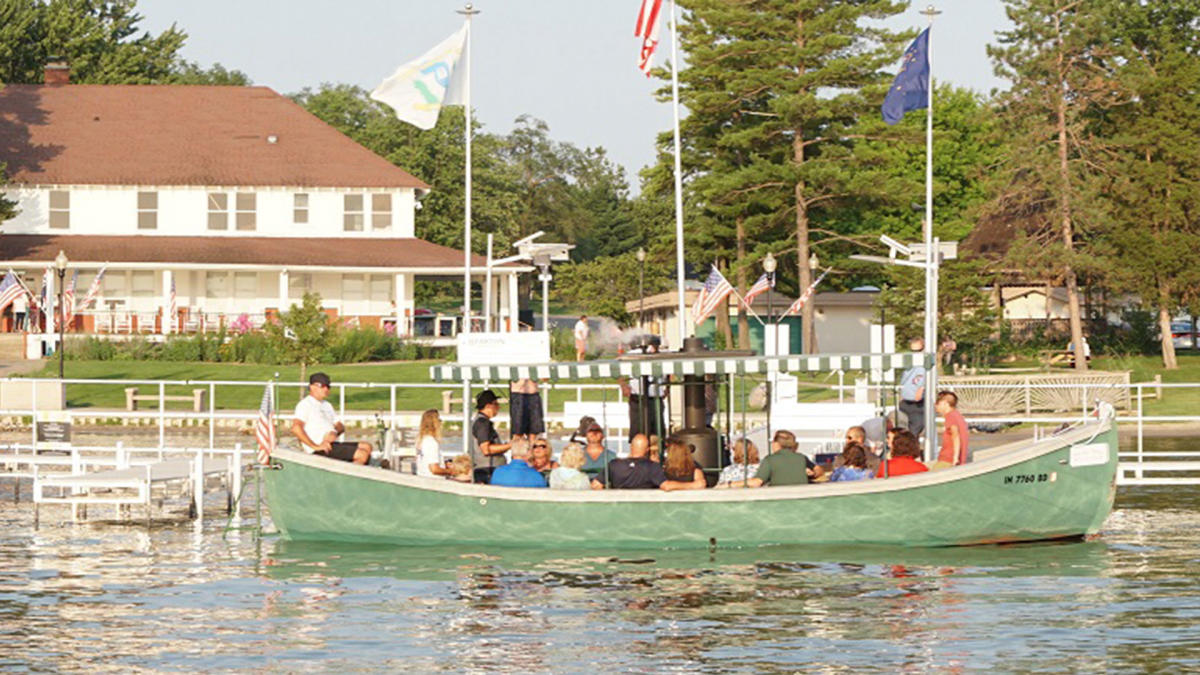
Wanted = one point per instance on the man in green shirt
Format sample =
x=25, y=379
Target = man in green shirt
x=784, y=466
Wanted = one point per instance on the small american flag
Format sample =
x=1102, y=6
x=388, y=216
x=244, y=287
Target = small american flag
x=764, y=284
x=94, y=289
x=10, y=289
x=172, y=316
x=805, y=296
x=647, y=29
x=716, y=288
x=264, y=427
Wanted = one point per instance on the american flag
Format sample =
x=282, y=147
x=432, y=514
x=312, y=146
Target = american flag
x=47, y=302
x=647, y=29
x=94, y=289
x=172, y=316
x=716, y=288
x=764, y=284
x=10, y=289
x=805, y=295
x=68, y=308
x=264, y=428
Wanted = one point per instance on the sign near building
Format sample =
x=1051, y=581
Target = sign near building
x=54, y=430
x=482, y=349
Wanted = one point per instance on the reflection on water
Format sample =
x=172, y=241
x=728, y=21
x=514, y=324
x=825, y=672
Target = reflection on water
x=118, y=597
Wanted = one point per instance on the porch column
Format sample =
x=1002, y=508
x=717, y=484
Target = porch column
x=404, y=304
x=168, y=317
x=283, y=290
x=514, y=305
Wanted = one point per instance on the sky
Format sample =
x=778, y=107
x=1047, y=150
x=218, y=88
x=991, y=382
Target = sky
x=571, y=63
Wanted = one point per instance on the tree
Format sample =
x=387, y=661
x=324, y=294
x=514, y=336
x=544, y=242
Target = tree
x=810, y=71
x=303, y=332
x=1056, y=57
x=1152, y=174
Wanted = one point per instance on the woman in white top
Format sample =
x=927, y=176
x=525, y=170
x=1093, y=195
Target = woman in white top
x=429, y=439
x=567, y=476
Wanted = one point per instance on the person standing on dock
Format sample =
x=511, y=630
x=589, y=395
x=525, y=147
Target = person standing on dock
x=525, y=409
x=317, y=428
x=912, y=392
x=581, y=337
x=487, y=452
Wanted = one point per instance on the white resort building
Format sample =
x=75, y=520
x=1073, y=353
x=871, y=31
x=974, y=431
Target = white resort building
x=235, y=200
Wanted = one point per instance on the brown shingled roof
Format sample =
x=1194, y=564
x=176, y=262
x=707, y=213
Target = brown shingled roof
x=226, y=250
x=178, y=135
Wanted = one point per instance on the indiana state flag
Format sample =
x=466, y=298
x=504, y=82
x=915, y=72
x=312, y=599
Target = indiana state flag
x=418, y=89
x=910, y=90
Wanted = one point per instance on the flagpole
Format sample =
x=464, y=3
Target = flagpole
x=468, y=11
x=931, y=258
x=679, y=271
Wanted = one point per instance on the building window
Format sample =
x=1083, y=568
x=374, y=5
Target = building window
x=245, y=285
x=113, y=288
x=218, y=211
x=60, y=209
x=142, y=284
x=298, y=284
x=352, y=287
x=381, y=211
x=381, y=289
x=353, y=213
x=147, y=210
x=300, y=208
x=216, y=285
x=246, y=217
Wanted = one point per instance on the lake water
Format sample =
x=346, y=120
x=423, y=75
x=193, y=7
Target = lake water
x=121, y=597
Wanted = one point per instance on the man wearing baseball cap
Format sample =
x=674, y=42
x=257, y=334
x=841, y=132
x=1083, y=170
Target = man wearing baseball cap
x=317, y=428
x=487, y=452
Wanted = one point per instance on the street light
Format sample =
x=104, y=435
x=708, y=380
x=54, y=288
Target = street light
x=641, y=258
x=60, y=265
x=769, y=265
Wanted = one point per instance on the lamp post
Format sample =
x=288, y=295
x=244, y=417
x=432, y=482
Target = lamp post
x=769, y=264
x=60, y=265
x=810, y=346
x=641, y=258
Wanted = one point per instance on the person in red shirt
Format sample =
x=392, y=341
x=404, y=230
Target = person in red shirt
x=954, y=450
x=905, y=451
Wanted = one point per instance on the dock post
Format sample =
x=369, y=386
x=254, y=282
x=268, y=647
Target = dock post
x=235, y=477
x=1141, y=396
x=162, y=417
x=198, y=485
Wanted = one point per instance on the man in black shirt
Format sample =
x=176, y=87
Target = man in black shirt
x=487, y=452
x=636, y=472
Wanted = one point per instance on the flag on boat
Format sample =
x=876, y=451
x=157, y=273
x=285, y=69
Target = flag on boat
x=716, y=288
x=93, y=290
x=764, y=284
x=808, y=292
x=264, y=427
x=172, y=316
x=418, y=89
x=647, y=30
x=10, y=289
x=68, y=308
x=910, y=89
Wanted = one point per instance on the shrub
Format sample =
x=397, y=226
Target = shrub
x=90, y=349
x=361, y=344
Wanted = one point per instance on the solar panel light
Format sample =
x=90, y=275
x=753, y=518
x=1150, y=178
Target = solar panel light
x=895, y=247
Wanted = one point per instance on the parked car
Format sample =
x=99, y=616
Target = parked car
x=1182, y=336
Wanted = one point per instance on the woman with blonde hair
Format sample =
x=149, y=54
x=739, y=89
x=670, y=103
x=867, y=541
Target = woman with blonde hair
x=744, y=466
x=429, y=439
x=568, y=475
x=460, y=469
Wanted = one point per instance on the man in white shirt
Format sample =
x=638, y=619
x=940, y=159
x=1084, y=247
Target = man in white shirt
x=317, y=428
x=20, y=310
x=581, y=337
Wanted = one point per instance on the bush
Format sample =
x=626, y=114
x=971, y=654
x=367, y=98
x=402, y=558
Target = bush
x=250, y=348
x=90, y=349
x=362, y=344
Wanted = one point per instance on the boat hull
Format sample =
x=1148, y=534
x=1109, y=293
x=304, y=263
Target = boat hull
x=1055, y=488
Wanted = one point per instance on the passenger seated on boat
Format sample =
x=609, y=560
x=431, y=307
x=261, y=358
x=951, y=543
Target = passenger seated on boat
x=680, y=468
x=744, y=466
x=854, y=464
x=487, y=452
x=539, y=456
x=518, y=473
x=905, y=451
x=460, y=469
x=635, y=472
x=857, y=436
x=316, y=427
x=784, y=466
x=596, y=456
x=568, y=475
x=429, y=438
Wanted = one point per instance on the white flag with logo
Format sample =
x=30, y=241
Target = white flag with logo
x=419, y=89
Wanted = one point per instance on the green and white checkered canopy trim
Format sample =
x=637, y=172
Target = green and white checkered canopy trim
x=679, y=366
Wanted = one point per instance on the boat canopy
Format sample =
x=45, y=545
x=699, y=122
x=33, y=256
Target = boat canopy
x=677, y=364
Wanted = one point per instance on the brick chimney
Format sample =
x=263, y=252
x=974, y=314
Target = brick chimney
x=57, y=72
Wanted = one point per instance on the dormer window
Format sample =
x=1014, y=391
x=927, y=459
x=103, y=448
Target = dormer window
x=218, y=211
x=352, y=213
x=60, y=210
x=147, y=211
